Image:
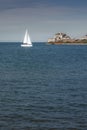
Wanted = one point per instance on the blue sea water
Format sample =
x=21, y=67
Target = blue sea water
x=43, y=87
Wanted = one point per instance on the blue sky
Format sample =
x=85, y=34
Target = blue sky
x=43, y=18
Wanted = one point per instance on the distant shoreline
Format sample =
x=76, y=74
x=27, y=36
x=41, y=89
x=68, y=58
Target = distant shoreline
x=68, y=43
x=62, y=38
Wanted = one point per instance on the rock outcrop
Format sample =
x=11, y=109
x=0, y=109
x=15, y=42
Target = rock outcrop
x=61, y=38
x=84, y=37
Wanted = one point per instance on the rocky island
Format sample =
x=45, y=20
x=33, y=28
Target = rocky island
x=62, y=38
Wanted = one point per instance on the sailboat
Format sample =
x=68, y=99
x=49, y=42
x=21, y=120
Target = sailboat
x=26, y=42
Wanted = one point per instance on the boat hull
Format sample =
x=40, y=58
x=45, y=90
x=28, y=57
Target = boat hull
x=22, y=45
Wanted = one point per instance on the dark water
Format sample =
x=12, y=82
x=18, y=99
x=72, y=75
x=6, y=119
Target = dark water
x=43, y=87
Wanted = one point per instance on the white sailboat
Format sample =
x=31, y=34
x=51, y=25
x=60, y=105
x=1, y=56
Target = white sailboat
x=26, y=42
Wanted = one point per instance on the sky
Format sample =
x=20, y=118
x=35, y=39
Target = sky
x=42, y=18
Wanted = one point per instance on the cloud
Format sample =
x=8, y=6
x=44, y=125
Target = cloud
x=11, y=4
x=42, y=18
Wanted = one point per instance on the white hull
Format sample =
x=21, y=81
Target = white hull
x=22, y=45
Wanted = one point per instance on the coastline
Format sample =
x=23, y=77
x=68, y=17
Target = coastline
x=67, y=43
x=62, y=38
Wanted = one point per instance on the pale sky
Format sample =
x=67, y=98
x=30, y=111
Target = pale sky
x=42, y=18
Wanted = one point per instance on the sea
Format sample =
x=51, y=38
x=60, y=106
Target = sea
x=43, y=87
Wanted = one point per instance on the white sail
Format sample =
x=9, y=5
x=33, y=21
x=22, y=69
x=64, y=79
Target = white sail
x=26, y=42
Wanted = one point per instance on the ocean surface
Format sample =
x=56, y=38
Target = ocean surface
x=43, y=87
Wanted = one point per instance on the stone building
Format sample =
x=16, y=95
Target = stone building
x=58, y=37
